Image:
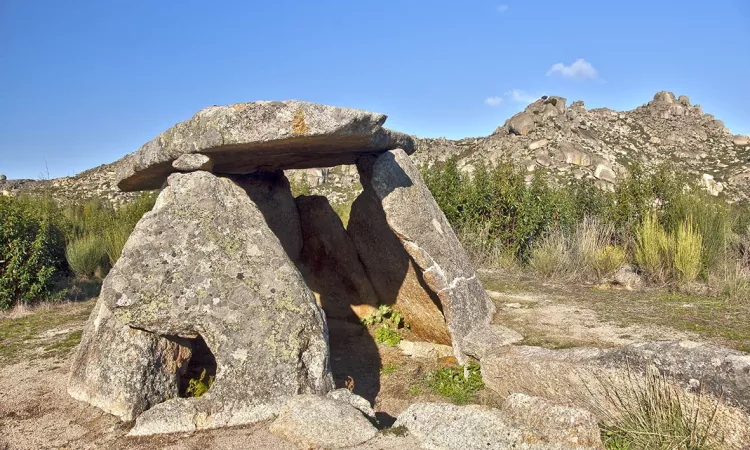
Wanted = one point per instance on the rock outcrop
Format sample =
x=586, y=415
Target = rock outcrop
x=599, y=144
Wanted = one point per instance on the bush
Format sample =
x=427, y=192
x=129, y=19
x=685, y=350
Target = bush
x=30, y=252
x=87, y=256
x=688, y=248
x=651, y=250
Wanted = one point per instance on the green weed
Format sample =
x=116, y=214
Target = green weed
x=453, y=384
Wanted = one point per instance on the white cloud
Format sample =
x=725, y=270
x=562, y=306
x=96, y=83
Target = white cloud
x=502, y=8
x=493, y=101
x=521, y=96
x=579, y=70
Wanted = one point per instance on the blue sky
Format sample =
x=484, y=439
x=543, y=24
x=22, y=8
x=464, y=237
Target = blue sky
x=82, y=83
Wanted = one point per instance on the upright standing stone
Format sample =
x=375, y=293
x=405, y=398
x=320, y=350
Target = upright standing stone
x=395, y=276
x=204, y=262
x=330, y=264
x=414, y=216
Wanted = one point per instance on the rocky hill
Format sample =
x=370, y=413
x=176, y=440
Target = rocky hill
x=570, y=141
x=600, y=144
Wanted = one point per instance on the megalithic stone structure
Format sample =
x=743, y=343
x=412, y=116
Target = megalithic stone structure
x=229, y=275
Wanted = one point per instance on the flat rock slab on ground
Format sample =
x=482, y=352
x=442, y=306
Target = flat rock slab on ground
x=246, y=137
x=526, y=422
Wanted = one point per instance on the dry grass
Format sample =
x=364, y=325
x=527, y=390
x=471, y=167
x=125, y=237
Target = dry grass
x=649, y=412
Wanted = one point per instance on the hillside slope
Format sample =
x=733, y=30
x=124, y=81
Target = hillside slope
x=568, y=141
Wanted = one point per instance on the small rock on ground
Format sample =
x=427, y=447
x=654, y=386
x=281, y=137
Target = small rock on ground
x=312, y=421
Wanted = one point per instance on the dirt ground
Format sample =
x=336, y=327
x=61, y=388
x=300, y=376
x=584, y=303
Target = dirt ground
x=36, y=347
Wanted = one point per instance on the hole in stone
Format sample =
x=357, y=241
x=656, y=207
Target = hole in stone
x=201, y=359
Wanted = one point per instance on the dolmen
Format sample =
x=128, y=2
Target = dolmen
x=231, y=279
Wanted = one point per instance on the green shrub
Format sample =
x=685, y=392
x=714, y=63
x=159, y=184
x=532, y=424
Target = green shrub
x=199, y=386
x=387, y=335
x=87, y=256
x=387, y=315
x=651, y=250
x=30, y=252
x=453, y=383
x=688, y=248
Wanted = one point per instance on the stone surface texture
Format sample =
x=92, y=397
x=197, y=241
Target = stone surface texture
x=722, y=371
x=481, y=342
x=121, y=370
x=330, y=264
x=414, y=216
x=442, y=426
x=190, y=162
x=396, y=278
x=245, y=137
x=347, y=396
x=312, y=421
x=204, y=262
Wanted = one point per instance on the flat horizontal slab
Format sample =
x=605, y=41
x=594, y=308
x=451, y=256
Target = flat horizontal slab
x=246, y=137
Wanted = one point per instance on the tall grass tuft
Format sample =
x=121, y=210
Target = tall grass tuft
x=650, y=413
x=87, y=256
x=688, y=249
x=608, y=260
x=651, y=248
x=551, y=257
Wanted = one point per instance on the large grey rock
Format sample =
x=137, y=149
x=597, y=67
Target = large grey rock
x=245, y=137
x=397, y=279
x=553, y=423
x=521, y=123
x=414, y=216
x=577, y=374
x=664, y=97
x=528, y=423
x=312, y=421
x=205, y=262
x=330, y=264
x=124, y=371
